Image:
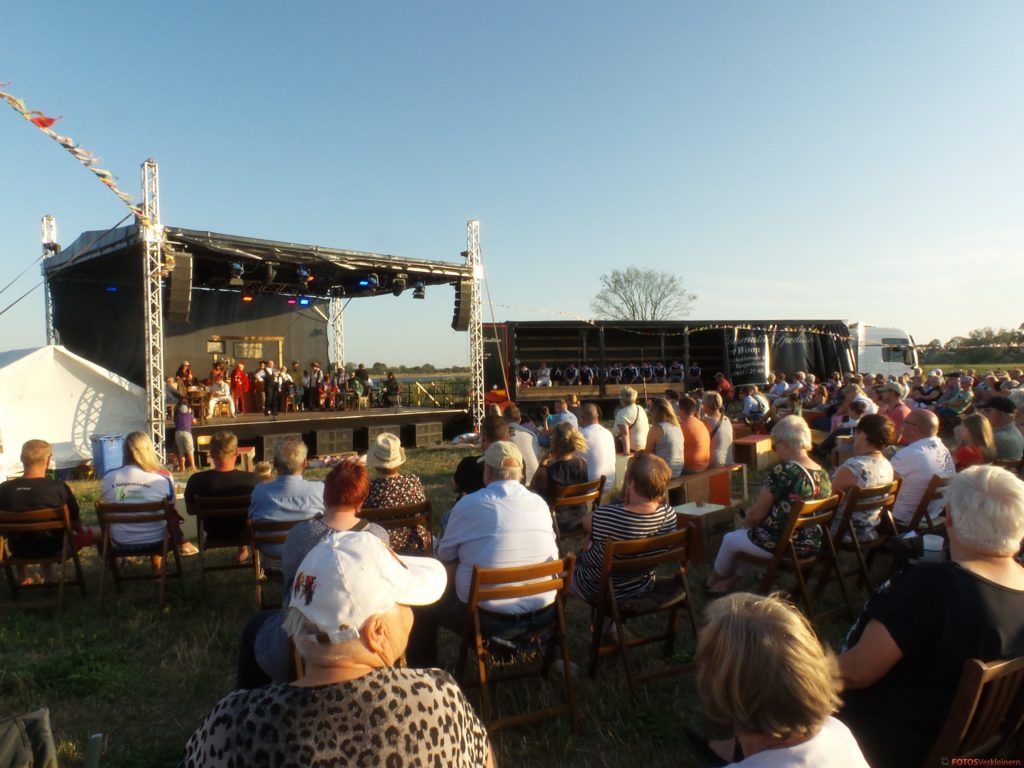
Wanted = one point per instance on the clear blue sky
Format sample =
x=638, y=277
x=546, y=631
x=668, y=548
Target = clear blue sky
x=858, y=160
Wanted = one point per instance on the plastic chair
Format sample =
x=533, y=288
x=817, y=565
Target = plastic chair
x=513, y=656
x=136, y=514
x=40, y=521
x=227, y=509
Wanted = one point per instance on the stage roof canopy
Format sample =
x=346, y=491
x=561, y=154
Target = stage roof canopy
x=234, y=263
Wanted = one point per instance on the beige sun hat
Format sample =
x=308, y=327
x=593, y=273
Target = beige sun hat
x=386, y=452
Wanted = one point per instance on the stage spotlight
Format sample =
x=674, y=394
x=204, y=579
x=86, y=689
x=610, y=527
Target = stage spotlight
x=398, y=284
x=247, y=296
x=419, y=290
x=236, y=273
x=293, y=301
x=304, y=301
x=111, y=289
x=303, y=274
x=370, y=282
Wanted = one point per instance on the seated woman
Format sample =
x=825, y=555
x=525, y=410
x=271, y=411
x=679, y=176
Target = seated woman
x=665, y=438
x=563, y=465
x=139, y=480
x=778, y=697
x=867, y=468
x=720, y=427
x=641, y=513
x=265, y=655
x=902, y=659
x=975, y=443
x=353, y=704
x=391, y=489
x=797, y=478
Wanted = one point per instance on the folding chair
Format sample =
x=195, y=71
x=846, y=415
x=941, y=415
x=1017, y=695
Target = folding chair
x=512, y=655
x=669, y=595
x=936, y=489
x=803, y=514
x=224, y=508
x=264, y=533
x=571, y=496
x=146, y=513
x=403, y=517
x=866, y=500
x=39, y=521
x=986, y=719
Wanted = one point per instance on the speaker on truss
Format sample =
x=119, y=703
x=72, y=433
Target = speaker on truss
x=463, y=292
x=179, y=297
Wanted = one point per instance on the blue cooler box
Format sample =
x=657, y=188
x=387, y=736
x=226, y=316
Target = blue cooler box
x=107, y=453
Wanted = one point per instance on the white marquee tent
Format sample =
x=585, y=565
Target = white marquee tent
x=52, y=394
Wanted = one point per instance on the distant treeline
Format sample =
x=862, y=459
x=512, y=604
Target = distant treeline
x=379, y=369
x=1004, y=346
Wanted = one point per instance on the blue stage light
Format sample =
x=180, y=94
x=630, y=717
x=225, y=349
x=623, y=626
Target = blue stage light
x=111, y=289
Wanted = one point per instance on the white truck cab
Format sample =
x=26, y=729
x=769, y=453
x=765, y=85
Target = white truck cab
x=889, y=351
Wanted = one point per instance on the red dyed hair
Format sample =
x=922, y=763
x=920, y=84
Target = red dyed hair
x=348, y=484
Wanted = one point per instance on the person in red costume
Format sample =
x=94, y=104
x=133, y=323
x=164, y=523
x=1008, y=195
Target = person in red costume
x=239, y=386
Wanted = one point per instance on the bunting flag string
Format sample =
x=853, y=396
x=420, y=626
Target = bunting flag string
x=82, y=155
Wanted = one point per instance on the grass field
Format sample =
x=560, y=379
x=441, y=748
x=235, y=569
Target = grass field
x=147, y=677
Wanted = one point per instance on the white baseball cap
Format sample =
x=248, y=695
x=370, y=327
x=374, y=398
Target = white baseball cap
x=349, y=577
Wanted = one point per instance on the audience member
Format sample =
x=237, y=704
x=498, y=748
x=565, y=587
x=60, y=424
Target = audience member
x=469, y=474
x=290, y=496
x=600, y=451
x=563, y=465
x=631, y=422
x=353, y=704
x=1009, y=441
x=391, y=489
x=903, y=658
x=867, y=468
x=524, y=439
x=974, y=442
x=562, y=413
x=720, y=429
x=223, y=480
x=755, y=405
x=777, y=697
x=796, y=479
x=665, y=438
x=922, y=458
x=891, y=395
x=696, y=438
x=183, y=438
x=502, y=525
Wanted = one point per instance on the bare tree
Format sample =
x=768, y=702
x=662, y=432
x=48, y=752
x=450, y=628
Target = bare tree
x=642, y=294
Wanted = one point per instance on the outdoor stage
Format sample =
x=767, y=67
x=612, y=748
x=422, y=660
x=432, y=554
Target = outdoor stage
x=333, y=432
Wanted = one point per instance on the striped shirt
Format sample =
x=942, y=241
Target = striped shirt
x=615, y=522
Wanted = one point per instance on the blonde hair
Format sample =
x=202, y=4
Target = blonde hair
x=762, y=670
x=980, y=430
x=713, y=400
x=264, y=470
x=35, y=452
x=986, y=506
x=223, y=444
x=139, y=450
x=567, y=439
x=794, y=432
x=662, y=410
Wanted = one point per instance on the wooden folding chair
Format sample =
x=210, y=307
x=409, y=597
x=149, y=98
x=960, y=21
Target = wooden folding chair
x=935, y=489
x=405, y=516
x=803, y=514
x=570, y=496
x=223, y=508
x=136, y=514
x=670, y=594
x=264, y=533
x=986, y=719
x=513, y=656
x=866, y=500
x=47, y=520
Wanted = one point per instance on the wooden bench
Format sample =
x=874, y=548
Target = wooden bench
x=755, y=451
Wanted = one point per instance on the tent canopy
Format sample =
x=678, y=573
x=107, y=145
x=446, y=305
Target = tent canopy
x=54, y=395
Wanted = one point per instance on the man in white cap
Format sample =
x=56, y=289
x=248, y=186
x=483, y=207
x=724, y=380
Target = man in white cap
x=349, y=619
x=502, y=525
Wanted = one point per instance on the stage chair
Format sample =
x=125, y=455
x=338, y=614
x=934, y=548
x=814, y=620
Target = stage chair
x=864, y=500
x=265, y=567
x=514, y=655
x=227, y=508
x=136, y=514
x=39, y=521
x=669, y=595
x=394, y=519
x=986, y=719
x=571, y=496
x=803, y=514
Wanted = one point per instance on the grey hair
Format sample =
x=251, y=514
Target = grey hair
x=505, y=473
x=987, y=508
x=290, y=456
x=794, y=432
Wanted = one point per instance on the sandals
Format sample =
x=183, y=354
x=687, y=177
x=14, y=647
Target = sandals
x=187, y=549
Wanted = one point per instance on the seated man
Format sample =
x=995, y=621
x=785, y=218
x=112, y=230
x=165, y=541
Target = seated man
x=525, y=440
x=755, y=404
x=1009, y=441
x=469, y=474
x=353, y=391
x=586, y=375
x=524, y=376
x=502, y=525
x=694, y=376
x=392, y=391
x=220, y=393
x=924, y=456
x=600, y=453
x=543, y=376
x=290, y=496
x=34, y=490
x=353, y=704
x=221, y=481
x=562, y=413
x=572, y=375
x=696, y=438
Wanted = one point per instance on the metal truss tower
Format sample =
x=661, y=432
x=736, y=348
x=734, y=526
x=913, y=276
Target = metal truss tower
x=48, y=234
x=476, y=329
x=337, y=330
x=153, y=270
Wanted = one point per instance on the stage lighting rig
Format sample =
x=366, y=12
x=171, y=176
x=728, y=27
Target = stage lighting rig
x=419, y=290
x=236, y=274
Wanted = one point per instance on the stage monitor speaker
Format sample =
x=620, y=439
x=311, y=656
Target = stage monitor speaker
x=460, y=319
x=179, y=297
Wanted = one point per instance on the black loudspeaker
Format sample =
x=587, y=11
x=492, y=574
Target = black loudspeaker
x=463, y=291
x=179, y=297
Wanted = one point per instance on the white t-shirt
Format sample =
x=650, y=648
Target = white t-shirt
x=131, y=484
x=499, y=526
x=917, y=464
x=635, y=419
x=832, y=746
x=528, y=445
x=600, y=454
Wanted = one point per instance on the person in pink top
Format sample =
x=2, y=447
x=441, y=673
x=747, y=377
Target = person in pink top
x=696, y=438
x=891, y=394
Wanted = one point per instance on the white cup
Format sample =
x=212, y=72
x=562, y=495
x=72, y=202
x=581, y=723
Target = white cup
x=932, y=543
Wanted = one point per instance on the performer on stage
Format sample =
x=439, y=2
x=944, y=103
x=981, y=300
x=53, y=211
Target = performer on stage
x=271, y=389
x=392, y=390
x=220, y=393
x=314, y=386
x=239, y=386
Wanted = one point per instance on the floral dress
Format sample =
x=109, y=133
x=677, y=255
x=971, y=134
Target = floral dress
x=788, y=484
x=399, y=491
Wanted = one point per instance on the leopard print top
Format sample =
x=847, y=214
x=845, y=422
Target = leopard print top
x=390, y=717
